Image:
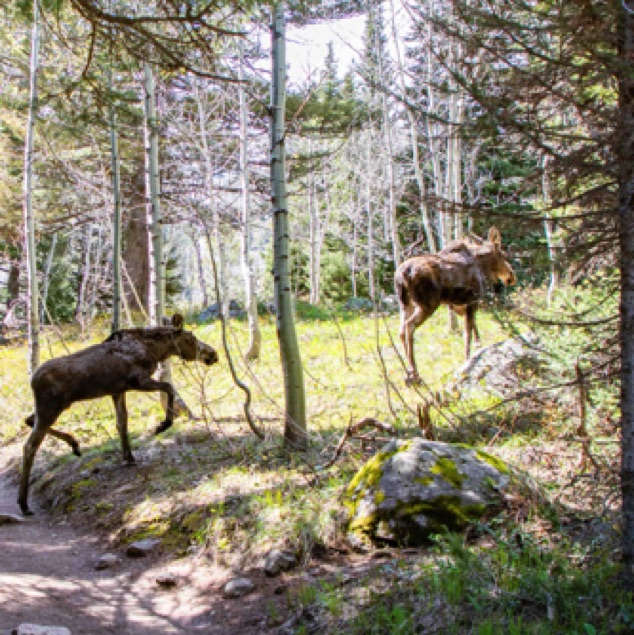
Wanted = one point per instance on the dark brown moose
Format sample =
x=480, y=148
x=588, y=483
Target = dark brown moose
x=125, y=361
x=455, y=276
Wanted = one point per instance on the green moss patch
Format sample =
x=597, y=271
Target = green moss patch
x=447, y=469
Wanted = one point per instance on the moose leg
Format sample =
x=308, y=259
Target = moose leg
x=64, y=436
x=470, y=328
x=30, y=450
x=408, y=326
x=406, y=313
x=121, y=412
x=151, y=385
x=476, y=333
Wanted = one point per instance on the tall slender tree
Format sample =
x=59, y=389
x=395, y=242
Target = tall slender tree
x=29, y=218
x=624, y=154
x=248, y=274
x=295, y=433
x=116, y=216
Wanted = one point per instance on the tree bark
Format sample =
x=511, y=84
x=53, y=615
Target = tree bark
x=116, y=216
x=153, y=193
x=13, y=283
x=295, y=424
x=29, y=219
x=625, y=152
x=215, y=215
x=46, y=281
x=248, y=274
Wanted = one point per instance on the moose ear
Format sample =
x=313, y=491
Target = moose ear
x=495, y=237
x=177, y=321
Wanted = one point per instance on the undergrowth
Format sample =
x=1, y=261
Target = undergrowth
x=210, y=487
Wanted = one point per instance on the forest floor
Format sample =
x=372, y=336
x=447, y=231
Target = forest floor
x=48, y=577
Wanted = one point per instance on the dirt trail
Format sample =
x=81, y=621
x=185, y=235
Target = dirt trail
x=47, y=577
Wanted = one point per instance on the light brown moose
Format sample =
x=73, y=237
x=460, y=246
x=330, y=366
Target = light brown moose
x=123, y=362
x=455, y=276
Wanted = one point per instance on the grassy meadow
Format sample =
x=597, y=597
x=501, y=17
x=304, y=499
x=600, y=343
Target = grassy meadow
x=210, y=487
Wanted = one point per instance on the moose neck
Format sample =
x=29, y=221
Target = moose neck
x=161, y=343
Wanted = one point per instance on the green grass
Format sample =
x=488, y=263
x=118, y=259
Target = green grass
x=211, y=485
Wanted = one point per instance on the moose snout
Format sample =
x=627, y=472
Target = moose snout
x=209, y=356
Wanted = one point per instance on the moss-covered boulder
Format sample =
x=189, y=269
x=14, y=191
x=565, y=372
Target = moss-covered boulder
x=412, y=489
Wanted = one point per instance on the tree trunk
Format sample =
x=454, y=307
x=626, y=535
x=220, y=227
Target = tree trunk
x=84, y=277
x=313, y=234
x=153, y=193
x=370, y=234
x=549, y=230
x=135, y=265
x=248, y=274
x=215, y=216
x=116, y=220
x=47, y=276
x=625, y=152
x=416, y=161
x=13, y=283
x=29, y=219
x=295, y=425
x=202, y=282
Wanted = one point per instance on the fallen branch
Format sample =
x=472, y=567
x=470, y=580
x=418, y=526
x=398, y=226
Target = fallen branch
x=351, y=430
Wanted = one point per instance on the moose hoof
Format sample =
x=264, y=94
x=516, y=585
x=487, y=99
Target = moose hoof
x=76, y=450
x=25, y=509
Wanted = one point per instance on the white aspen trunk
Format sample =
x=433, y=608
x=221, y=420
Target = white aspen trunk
x=549, y=230
x=156, y=259
x=248, y=273
x=29, y=218
x=323, y=227
x=370, y=236
x=80, y=312
x=46, y=281
x=391, y=179
x=116, y=216
x=353, y=266
x=202, y=282
x=295, y=424
x=313, y=235
x=219, y=245
x=416, y=161
x=97, y=275
x=154, y=214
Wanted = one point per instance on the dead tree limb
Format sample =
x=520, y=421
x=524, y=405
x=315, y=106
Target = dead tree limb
x=353, y=429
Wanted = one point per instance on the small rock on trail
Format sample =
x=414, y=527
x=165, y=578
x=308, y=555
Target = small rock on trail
x=36, y=629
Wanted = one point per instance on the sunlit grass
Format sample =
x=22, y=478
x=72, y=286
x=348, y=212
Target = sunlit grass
x=343, y=376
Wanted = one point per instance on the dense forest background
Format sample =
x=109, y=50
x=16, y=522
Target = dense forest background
x=145, y=157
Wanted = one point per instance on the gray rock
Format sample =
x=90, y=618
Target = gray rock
x=277, y=561
x=35, y=629
x=107, y=561
x=412, y=489
x=142, y=547
x=237, y=587
x=497, y=368
x=166, y=580
x=9, y=519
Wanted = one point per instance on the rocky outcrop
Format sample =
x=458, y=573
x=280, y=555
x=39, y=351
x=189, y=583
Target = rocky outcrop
x=497, y=369
x=413, y=489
